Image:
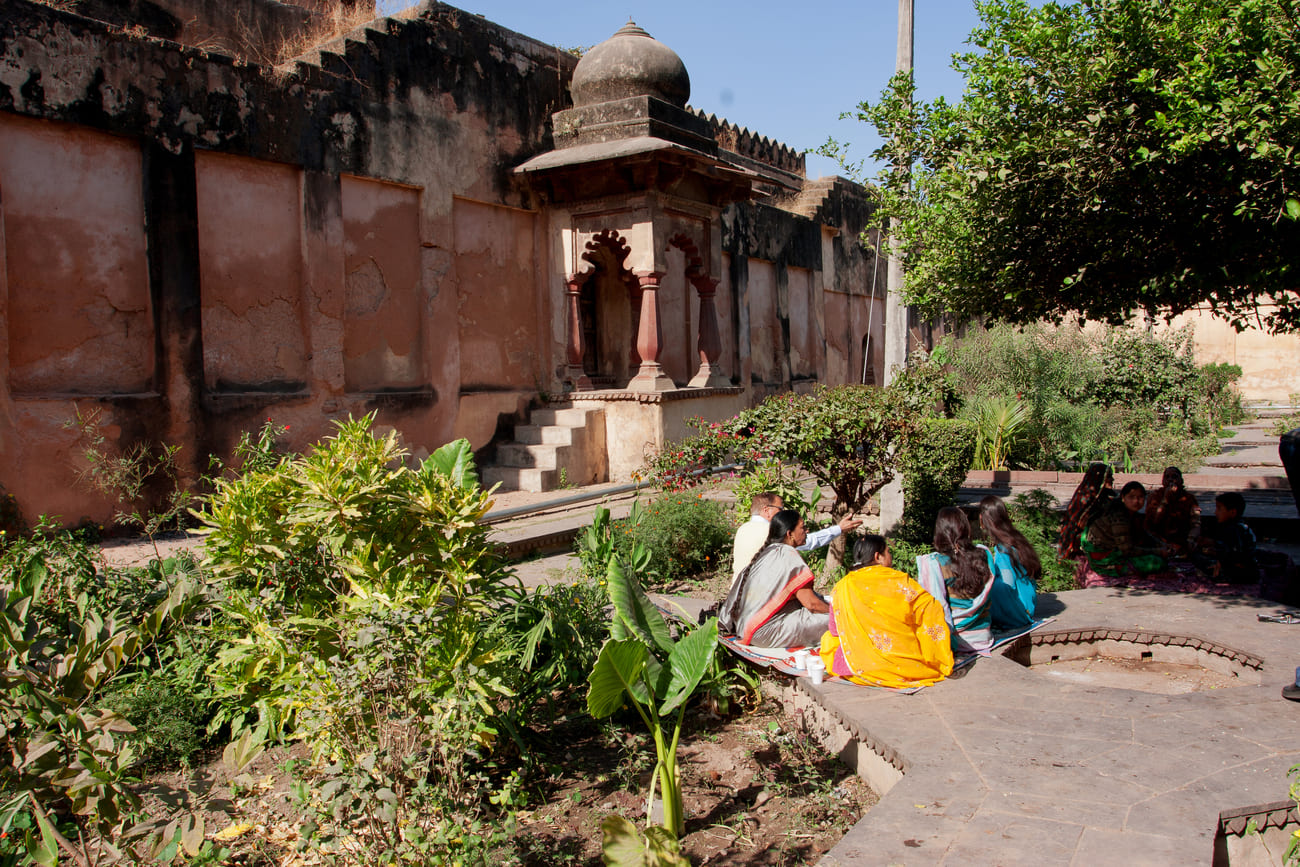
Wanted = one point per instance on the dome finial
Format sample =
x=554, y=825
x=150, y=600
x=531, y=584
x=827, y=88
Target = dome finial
x=630, y=63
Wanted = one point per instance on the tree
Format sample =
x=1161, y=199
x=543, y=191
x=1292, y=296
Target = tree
x=1107, y=157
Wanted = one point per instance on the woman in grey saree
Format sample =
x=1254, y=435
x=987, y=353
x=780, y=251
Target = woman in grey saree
x=772, y=603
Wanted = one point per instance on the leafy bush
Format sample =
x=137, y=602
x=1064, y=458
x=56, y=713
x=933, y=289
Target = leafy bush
x=684, y=535
x=169, y=716
x=1035, y=515
x=934, y=463
x=781, y=479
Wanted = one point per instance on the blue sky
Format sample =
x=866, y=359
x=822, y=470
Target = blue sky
x=781, y=69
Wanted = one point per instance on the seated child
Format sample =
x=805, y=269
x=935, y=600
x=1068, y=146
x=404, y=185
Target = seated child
x=1228, y=550
x=884, y=629
x=1173, y=516
x=1014, y=564
x=957, y=574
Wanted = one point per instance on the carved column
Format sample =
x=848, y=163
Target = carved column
x=575, y=373
x=649, y=340
x=710, y=343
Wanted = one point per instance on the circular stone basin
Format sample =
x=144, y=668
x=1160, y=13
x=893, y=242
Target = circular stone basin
x=1144, y=675
x=1137, y=660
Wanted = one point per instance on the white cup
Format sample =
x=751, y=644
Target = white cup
x=801, y=659
x=816, y=669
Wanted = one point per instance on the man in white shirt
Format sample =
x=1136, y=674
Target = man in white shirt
x=753, y=533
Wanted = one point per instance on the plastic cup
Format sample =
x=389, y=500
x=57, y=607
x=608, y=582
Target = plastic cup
x=816, y=669
x=801, y=659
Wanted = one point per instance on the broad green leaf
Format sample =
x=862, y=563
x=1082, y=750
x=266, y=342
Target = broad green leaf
x=455, y=460
x=46, y=852
x=662, y=848
x=617, y=668
x=620, y=843
x=688, y=662
x=635, y=610
x=1293, y=208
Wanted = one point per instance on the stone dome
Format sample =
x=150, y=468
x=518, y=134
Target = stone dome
x=630, y=63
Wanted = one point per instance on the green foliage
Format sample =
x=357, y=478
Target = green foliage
x=1106, y=157
x=1034, y=514
x=318, y=549
x=779, y=478
x=1292, y=855
x=169, y=717
x=997, y=422
x=683, y=465
x=556, y=633
x=934, y=462
x=684, y=534
x=70, y=754
x=144, y=479
x=1219, y=396
x=623, y=845
x=642, y=663
x=1126, y=396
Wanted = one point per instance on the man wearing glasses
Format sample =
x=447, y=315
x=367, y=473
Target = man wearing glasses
x=753, y=533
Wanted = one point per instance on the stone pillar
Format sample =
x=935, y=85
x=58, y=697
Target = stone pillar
x=710, y=342
x=574, y=373
x=649, y=340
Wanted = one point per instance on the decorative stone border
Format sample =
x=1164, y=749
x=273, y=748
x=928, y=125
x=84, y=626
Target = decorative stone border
x=876, y=762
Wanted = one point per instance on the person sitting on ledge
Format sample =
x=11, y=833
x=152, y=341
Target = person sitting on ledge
x=885, y=630
x=1228, y=550
x=1173, y=516
x=957, y=574
x=772, y=602
x=1095, y=492
x=753, y=533
x=1116, y=541
x=1014, y=564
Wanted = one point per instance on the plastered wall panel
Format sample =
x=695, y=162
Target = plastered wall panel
x=500, y=336
x=383, y=330
x=803, y=329
x=80, y=320
x=250, y=265
x=766, y=341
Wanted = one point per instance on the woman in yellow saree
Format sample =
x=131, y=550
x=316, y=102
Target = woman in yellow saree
x=885, y=630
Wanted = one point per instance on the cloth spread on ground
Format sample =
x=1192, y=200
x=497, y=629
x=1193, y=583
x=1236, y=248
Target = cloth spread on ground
x=783, y=659
x=1177, y=577
x=885, y=630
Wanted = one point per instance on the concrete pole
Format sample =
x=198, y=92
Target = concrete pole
x=891, y=498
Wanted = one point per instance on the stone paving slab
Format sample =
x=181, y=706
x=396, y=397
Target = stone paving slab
x=1009, y=766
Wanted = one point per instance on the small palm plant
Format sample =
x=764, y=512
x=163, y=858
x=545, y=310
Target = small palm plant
x=998, y=420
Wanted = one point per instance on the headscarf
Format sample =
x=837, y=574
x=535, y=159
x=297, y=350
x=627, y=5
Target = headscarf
x=1086, y=503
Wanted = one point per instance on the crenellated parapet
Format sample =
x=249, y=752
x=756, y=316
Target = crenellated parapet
x=755, y=148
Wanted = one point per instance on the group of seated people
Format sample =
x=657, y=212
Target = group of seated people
x=880, y=627
x=1118, y=537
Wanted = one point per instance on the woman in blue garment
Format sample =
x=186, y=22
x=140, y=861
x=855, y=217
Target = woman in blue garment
x=957, y=574
x=1015, y=566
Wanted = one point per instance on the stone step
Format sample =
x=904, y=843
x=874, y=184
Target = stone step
x=566, y=416
x=549, y=434
x=535, y=455
x=521, y=478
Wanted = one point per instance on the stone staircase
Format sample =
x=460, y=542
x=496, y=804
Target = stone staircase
x=560, y=446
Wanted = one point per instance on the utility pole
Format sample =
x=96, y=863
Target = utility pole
x=891, y=497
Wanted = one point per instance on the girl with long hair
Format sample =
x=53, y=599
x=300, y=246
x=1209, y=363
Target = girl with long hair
x=885, y=630
x=957, y=574
x=772, y=602
x=1015, y=565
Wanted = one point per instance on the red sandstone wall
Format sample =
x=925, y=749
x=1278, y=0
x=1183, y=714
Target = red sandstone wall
x=79, y=308
x=250, y=248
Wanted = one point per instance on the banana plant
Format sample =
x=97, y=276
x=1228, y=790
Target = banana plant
x=641, y=662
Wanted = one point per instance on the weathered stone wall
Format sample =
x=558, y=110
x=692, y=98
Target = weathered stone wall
x=193, y=244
